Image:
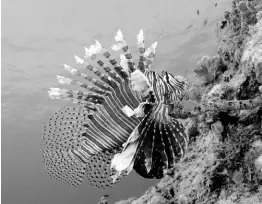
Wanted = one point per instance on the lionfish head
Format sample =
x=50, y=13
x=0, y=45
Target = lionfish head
x=140, y=83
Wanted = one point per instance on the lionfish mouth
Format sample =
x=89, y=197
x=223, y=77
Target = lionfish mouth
x=119, y=120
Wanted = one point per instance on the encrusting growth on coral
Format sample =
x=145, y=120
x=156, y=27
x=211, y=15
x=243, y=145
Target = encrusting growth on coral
x=219, y=106
x=223, y=163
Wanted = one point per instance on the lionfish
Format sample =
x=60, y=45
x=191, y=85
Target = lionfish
x=116, y=123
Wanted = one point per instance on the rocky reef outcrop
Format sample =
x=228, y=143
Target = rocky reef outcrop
x=223, y=164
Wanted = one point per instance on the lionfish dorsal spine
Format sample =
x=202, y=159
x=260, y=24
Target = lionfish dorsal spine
x=120, y=71
x=96, y=82
x=128, y=97
x=104, y=77
x=121, y=44
x=109, y=71
x=149, y=55
x=131, y=96
x=141, y=49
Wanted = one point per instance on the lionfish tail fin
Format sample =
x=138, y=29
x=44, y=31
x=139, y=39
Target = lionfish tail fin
x=64, y=167
x=62, y=142
x=72, y=150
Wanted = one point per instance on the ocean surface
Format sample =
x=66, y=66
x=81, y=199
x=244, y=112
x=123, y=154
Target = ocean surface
x=38, y=37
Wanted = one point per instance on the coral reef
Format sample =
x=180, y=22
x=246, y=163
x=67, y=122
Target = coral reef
x=223, y=164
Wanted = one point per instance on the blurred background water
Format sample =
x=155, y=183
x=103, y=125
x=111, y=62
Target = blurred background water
x=38, y=37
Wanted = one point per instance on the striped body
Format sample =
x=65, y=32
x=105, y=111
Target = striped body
x=82, y=140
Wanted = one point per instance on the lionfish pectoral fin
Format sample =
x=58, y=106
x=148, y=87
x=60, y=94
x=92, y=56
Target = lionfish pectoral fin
x=132, y=138
x=148, y=164
x=115, y=176
x=124, y=161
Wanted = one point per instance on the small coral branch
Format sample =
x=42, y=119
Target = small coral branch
x=208, y=68
x=218, y=106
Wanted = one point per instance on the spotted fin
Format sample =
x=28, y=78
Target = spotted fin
x=99, y=172
x=62, y=138
x=63, y=166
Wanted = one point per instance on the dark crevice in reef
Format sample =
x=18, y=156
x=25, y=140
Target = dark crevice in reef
x=223, y=164
x=249, y=88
